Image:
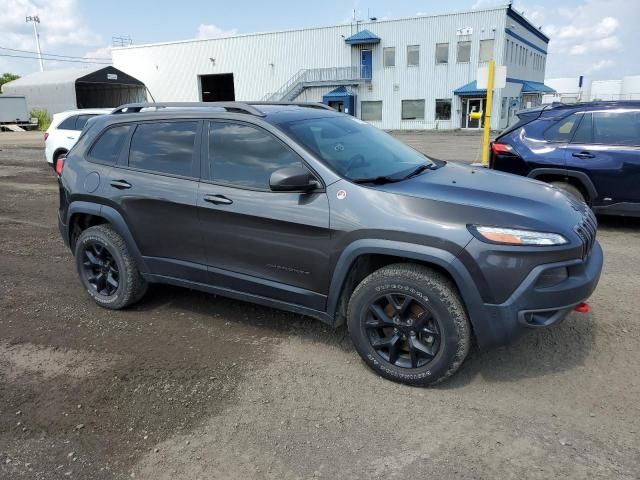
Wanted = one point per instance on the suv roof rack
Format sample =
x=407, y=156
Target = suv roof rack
x=235, y=107
x=594, y=103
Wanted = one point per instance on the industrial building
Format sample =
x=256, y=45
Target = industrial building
x=583, y=89
x=410, y=73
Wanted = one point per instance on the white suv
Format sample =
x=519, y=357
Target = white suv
x=64, y=131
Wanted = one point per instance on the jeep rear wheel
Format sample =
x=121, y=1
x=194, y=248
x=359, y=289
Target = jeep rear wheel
x=408, y=324
x=107, y=269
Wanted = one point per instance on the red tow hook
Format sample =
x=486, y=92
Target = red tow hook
x=582, y=308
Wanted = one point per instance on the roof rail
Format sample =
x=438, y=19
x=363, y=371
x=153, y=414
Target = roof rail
x=235, y=107
x=296, y=104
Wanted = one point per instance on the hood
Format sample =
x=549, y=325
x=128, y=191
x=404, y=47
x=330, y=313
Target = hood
x=517, y=200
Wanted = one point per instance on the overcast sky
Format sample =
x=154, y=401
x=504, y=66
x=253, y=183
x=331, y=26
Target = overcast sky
x=597, y=38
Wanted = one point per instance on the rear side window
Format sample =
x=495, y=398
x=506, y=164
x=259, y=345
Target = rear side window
x=108, y=147
x=68, y=123
x=81, y=120
x=616, y=128
x=164, y=147
x=562, y=130
x=246, y=156
x=584, y=131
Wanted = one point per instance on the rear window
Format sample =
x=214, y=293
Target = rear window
x=164, y=147
x=108, y=147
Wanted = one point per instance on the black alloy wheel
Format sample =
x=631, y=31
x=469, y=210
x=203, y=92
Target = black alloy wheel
x=403, y=330
x=100, y=269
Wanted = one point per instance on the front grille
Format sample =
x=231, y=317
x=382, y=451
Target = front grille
x=586, y=230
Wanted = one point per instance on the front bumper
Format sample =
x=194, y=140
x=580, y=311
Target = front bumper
x=533, y=305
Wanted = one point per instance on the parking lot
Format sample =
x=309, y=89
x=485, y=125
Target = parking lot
x=186, y=385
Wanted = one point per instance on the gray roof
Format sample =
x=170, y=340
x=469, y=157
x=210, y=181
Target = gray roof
x=53, y=77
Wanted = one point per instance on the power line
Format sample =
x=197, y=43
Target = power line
x=53, y=54
x=54, y=59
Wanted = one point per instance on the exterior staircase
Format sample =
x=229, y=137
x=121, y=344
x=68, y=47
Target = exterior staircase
x=318, y=77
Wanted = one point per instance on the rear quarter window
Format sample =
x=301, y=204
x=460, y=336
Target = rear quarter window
x=106, y=150
x=68, y=123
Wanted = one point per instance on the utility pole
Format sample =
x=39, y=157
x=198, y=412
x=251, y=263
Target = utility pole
x=35, y=19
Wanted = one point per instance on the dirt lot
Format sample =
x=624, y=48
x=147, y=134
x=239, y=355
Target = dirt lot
x=187, y=385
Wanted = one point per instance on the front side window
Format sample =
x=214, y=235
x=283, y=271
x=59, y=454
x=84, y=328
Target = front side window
x=412, y=109
x=353, y=148
x=486, y=50
x=464, y=52
x=108, y=147
x=442, y=53
x=246, y=156
x=616, y=128
x=389, y=56
x=165, y=147
x=413, y=55
x=371, y=111
x=443, y=109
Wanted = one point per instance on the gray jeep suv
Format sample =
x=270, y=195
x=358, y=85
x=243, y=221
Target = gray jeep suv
x=298, y=207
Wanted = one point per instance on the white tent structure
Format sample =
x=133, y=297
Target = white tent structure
x=59, y=90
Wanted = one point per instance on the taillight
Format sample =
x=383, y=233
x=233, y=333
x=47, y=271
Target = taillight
x=60, y=165
x=498, y=148
x=46, y=135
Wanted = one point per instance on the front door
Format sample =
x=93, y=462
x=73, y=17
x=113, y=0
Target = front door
x=471, y=105
x=337, y=105
x=270, y=244
x=366, y=64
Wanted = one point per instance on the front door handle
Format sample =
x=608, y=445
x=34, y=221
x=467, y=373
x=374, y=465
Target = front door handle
x=218, y=199
x=584, y=155
x=120, y=184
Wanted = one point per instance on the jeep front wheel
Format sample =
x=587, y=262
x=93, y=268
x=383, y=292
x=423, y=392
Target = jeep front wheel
x=408, y=324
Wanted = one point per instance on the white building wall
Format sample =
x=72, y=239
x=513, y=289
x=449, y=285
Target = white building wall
x=262, y=63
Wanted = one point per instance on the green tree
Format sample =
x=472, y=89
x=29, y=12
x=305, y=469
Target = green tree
x=7, y=77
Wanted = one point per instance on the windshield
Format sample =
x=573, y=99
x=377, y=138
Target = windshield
x=355, y=149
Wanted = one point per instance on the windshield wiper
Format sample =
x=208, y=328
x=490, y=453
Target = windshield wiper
x=377, y=180
x=419, y=169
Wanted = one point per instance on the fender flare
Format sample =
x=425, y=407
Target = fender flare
x=583, y=177
x=446, y=260
x=115, y=219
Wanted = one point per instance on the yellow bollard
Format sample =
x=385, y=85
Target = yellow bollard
x=487, y=114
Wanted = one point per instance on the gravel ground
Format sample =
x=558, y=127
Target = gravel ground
x=187, y=385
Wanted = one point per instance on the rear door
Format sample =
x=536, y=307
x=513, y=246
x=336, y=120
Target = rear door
x=606, y=147
x=271, y=244
x=154, y=187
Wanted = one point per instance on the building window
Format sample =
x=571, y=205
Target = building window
x=443, y=109
x=412, y=109
x=413, y=55
x=464, y=52
x=389, y=56
x=486, y=50
x=442, y=53
x=371, y=111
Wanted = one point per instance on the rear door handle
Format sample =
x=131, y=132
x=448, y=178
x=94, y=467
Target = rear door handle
x=218, y=199
x=584, y=155
x=120, y=184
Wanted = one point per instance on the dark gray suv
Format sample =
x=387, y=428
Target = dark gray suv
x=299, y=207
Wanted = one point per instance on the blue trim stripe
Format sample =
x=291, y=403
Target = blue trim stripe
x=523, y=21
x=523, y=40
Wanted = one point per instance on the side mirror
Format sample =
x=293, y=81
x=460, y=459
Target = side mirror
x=292, y=179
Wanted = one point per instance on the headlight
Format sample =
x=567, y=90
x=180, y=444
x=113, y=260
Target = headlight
x=511, y=236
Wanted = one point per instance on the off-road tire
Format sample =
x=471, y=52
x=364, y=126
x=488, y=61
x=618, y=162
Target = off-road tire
x=430, y=287
x=131, y=286
x=571, y=190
